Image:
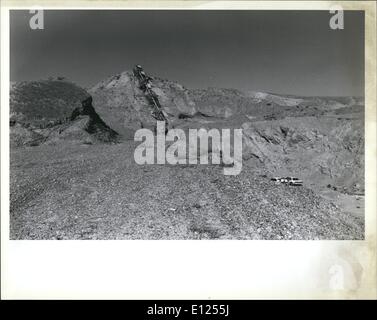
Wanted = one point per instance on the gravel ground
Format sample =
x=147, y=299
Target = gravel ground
x=99, y=192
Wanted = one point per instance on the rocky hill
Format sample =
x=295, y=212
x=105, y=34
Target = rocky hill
x=44, y=101
x=53, y=111
x=121, y=103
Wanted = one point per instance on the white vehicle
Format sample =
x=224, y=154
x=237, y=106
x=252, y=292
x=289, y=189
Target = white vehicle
x=288, y=180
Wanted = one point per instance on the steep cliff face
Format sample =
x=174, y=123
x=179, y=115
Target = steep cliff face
x=122, y=105
x=84, y=126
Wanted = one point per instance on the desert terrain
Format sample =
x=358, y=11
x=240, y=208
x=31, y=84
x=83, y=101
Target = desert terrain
x=73, y=174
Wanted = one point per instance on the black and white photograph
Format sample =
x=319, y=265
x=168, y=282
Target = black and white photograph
x=180, y=150
x=186, y=125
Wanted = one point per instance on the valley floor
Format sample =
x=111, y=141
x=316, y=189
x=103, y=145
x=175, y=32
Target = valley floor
x=99, y=192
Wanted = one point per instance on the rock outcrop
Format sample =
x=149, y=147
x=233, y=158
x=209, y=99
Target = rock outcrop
x=121, y=103
x=44, y=102
x=84, y=126
x=54, y=111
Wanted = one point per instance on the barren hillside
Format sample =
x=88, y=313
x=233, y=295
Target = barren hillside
x=69, y=182
x=54, y=112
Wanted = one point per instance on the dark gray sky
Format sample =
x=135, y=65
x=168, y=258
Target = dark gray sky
x=292, y=52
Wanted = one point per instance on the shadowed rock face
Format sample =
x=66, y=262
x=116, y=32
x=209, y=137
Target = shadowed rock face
x=84, y=126
x=94, y=125
x=51, y=111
